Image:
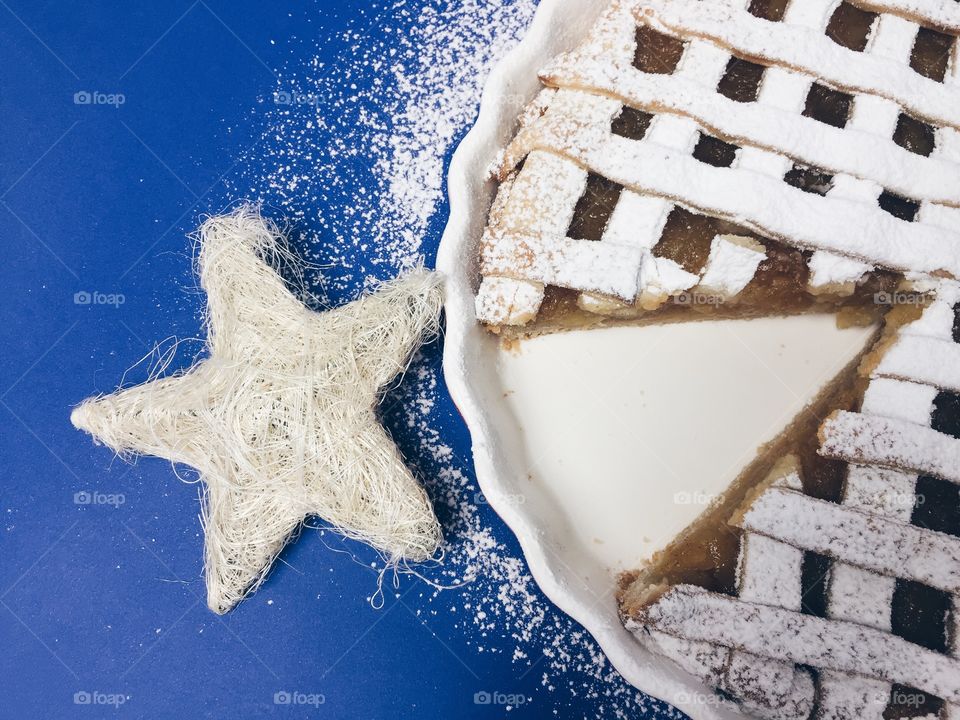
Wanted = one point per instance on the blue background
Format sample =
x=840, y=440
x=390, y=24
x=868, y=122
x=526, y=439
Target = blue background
x=109, y=599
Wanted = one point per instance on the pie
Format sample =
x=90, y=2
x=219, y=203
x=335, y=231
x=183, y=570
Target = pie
x=698, y=159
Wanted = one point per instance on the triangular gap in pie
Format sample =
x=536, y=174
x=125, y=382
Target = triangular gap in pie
x=714, y=158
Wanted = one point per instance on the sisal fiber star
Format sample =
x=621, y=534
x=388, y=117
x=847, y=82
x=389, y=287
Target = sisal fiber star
x=280, y=419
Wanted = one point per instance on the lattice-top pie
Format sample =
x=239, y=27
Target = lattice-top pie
x=706, y=158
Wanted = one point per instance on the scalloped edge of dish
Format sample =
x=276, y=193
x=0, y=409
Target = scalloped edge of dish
x=562, y=570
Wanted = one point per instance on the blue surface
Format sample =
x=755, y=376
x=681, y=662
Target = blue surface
x=105, y=599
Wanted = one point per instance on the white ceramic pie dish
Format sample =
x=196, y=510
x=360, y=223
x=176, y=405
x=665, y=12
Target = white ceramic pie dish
x=577, y=575
x=561, y=569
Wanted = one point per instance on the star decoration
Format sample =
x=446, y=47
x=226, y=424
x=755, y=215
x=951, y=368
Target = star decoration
x=279, y=419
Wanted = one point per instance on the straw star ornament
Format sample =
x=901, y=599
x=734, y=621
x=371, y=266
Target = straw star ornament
x=279, y=419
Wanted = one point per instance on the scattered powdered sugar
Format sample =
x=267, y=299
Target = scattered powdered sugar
x=500, y=607
x=354, y=153
x=354, y=158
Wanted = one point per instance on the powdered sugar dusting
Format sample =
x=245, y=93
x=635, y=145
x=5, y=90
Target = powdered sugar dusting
x=501, y=607
x=354, y=156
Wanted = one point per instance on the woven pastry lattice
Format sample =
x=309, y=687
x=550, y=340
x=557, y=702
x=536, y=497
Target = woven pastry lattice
x=826, y=126
x=882, y=539
x=757, y=116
